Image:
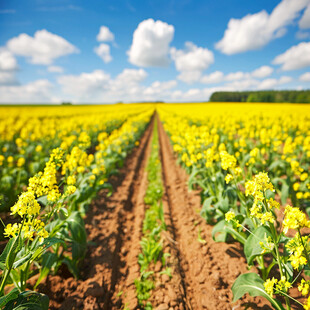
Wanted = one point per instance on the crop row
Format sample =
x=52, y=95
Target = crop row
x=49, y=228
x=27, y=135
x=251, y=163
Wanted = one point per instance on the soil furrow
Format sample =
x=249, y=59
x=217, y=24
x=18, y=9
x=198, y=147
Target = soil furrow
x=208, y=268
x=112, y=232
x=124, y=293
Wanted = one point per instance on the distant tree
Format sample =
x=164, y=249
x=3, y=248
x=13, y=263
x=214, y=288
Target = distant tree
x=292, y=96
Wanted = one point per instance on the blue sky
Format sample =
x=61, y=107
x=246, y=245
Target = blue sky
x=100, y=51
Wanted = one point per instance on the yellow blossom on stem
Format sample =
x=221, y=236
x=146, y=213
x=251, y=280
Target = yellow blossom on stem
x=304, y=287
x=228, y=178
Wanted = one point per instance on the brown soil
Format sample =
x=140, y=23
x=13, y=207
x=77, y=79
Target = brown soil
x=112, y=225
x=208, y=269
x=203, y=273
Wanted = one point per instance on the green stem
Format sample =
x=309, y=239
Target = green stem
x=305, y=250
x=287, y=301
x=8, y=271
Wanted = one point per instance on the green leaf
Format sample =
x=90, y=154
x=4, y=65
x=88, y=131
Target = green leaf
x=219, y=234
x=10, y=296
x=11, y=254
x=252, y=284
x=5, y=252
x=284, y=192
x=48, y=260
x=22, y=260
x=252, y=247
x=28, y=300
x=40, y=248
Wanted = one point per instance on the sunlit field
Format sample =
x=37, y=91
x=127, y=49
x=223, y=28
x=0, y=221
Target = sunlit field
x=71, y=174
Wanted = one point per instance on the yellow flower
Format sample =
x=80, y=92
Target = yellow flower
x=269, y=286
x=307, y=304
x=71, y=180
x=304, y=287
x=304, y=176
x=11, y=230
x=294, y=219
x=230, y=215
x=70, y=190
x=227, y=160
x=38, y=148
x=20, y=161
x=299, y=195
x=26, y=205
x=228, y=178
x=296, y=186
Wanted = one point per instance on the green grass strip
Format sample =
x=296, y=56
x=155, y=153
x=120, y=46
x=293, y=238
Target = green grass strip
x=153, y=225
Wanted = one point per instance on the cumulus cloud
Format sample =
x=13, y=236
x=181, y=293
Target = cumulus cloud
x=256, y=30
x=98, y=86
x=304, y=22
x=150, y=44
x=34, y=92
x=159, y=88
x=105, y=34
x=262, y=72
x=8, y=78
x=103, y=51
x=235, y=76
x=272, y=83
x=191, y=62
x=218, y=76
x=81, y=85
x=294, y=58
x=8, y=68
x=302, y=35
x=7, y=60
x=43, y=48
x=213, y=78
x=55, y=69
x=305, y=77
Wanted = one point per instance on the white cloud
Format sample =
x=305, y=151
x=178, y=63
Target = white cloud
x=105, y=34
x=103, y=51
x=304, y=22
x=192, y=61
x=196, y=94
x=285, y=80
x=235, y=76
x=84, y=84
x=256, y=30
x=294, y=58
x=245, y=84
x=262, y=72
x=302, y=35
x=7, y=60
x=55, y=69
x=98, y=86
x=150, y=44
x=218, y=76
x=213, y=78
x=8, y=78
x=272, y=83
x=43, y=48
x=159, y=88
x=34, y=92
x=268, y=84
x=305, y=77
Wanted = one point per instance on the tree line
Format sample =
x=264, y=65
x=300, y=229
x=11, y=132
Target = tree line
x=292, y=96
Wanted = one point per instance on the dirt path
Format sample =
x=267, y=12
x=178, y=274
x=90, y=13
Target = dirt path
x=113, y=226
x=202, y=273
